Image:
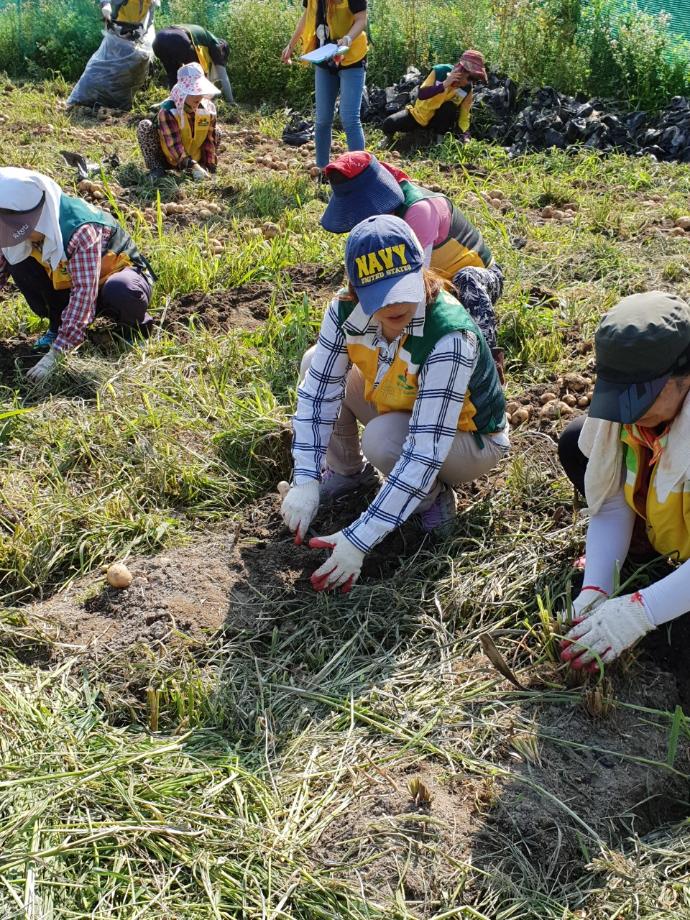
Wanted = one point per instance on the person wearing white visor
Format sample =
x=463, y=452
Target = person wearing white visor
x=71, y=261
x=186, y=136
x=400, y=355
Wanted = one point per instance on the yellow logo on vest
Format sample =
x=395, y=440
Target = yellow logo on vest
x=382, y=263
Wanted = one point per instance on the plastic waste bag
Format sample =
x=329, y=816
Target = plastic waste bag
x=114, y=72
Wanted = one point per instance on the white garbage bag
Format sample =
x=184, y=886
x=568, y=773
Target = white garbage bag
x=114, y=72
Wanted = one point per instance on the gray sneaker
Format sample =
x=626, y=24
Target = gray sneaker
x=439, y=517
x=333, y=485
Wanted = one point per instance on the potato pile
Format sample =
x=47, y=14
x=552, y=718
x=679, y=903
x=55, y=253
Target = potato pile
x=681, y=226
x=497, y=200
x=567, y=212
x=91, y=190
x=183, y=210
x=566, y=396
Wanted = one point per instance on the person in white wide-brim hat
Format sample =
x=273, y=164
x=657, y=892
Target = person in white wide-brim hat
x=186, y=136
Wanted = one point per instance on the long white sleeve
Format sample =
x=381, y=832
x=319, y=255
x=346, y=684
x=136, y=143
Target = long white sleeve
x=608, y=542
x=669, y=598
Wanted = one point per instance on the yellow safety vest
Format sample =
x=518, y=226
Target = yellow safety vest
x=111, y=262
x=424, y=110
x=484, y=407
x=204, y=57
x=339, y=19
x=668, y=524
x=193, y=132
x=133, y=12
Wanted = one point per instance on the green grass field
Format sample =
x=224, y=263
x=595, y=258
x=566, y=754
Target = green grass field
x=218, y=741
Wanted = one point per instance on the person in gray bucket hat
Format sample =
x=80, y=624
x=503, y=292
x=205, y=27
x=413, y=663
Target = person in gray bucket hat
x=630, y=457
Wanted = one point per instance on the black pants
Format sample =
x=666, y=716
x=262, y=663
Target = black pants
x=445, y=119
x=124, y=297
x=572, y=459
x=173, y=47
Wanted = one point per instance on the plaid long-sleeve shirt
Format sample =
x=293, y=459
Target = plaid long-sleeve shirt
x=442, y=386
x=84, y=253
x=171, y=139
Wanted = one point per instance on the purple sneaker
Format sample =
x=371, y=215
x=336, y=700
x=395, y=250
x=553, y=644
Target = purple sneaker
x=438, y=517
x=333, y=485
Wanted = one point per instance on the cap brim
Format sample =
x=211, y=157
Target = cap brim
x=204, y=87
x=407, y=288
x=625, y=402
x=366, y=195
x=17, y=226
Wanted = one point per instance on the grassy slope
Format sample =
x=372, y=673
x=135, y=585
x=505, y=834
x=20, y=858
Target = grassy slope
x=264, y=739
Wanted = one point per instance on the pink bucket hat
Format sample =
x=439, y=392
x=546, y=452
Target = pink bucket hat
x=191, y=82
x=473, y=63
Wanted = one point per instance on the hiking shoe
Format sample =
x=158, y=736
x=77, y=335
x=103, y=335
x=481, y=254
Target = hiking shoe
x=334, y=485
x=45, y=341
x=438, y=517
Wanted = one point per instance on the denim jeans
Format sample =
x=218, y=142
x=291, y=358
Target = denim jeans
x=350, y=84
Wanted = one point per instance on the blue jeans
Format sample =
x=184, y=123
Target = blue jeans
x=350, y=84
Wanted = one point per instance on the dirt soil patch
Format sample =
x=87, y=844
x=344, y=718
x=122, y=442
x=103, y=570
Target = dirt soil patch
x=563, y=759
x=247, y=306
x=244, y=307
x=194, y=591
x=16, y=357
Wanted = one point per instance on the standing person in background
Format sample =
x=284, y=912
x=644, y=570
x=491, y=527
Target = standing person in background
x=444, y=101
x=343, y=22
x=71, y=262
x=184, y=44
x=186, y=136
x=119, y=67
x=129, y=16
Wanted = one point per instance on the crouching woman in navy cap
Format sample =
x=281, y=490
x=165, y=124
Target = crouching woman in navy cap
x=631, y=458
x=402, y=356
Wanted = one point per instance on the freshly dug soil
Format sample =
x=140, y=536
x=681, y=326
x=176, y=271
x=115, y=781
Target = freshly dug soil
x=244, y=307
x=389, y=841
x=247, y=306
x=221, y=580
x=16, y=357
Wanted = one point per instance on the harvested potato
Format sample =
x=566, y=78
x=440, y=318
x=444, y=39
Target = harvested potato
x=583, y=402
x=570, y=400
x=270, y=230
x=683, y=223
x=547, y=398
x=547, y=211
x=520, y=416
x=118, y=575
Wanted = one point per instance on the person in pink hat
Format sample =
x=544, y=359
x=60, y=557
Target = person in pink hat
x=186, y=136
x=444, y=101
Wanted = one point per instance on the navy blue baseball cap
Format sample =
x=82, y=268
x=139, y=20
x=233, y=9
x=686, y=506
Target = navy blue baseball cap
x=640, y=344
x=362, y=187
x=384, y=261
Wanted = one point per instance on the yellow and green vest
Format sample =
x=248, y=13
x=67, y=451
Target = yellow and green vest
x=483, y=411
x=464, y=245
x=121, y=252
x=201, y=40
x=339, y=19
x=424, y=110
x=668, y=524
x=131, y=12
x=193, y=132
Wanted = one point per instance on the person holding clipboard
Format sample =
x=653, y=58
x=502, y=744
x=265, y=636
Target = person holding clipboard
x=339, y=23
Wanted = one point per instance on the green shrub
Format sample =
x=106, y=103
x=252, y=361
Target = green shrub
x=606, y=48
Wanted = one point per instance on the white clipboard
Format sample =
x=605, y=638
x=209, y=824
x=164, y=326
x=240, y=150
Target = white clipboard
x=324, y=53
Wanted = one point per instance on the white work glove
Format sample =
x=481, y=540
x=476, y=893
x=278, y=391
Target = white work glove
x=609, y=629
x=588, y=598
x=300, y=504
x=342, y=568
x=107, y=12
x=42, y=368
x=199, y=173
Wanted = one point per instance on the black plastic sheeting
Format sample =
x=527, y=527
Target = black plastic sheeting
x=522, y=119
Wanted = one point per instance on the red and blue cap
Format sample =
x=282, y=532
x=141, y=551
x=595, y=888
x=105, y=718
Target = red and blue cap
x=384, y=261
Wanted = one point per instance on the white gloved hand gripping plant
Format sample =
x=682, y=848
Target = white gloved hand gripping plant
x=610, y=628
x=343, y=566
x=299, y=507
x=44, y=367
